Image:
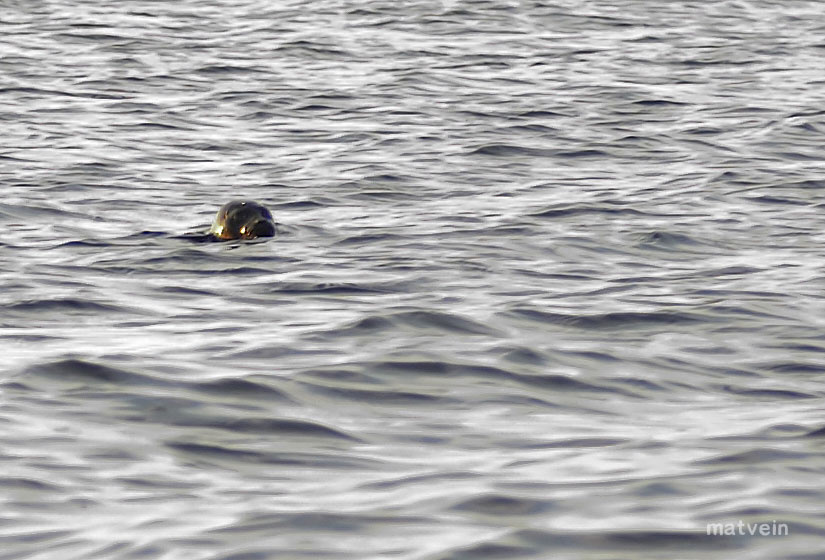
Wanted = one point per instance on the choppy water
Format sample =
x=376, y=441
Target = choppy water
x=549, y=281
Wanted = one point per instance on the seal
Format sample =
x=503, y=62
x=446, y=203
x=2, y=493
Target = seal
x=242, y=219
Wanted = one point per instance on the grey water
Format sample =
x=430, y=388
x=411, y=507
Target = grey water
x=549, y=280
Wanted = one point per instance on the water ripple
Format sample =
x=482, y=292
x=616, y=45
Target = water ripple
x=547, y=280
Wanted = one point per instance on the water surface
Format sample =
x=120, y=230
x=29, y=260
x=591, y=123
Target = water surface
x=548, y=281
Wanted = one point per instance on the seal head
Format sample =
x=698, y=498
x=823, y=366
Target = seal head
x=243, y=219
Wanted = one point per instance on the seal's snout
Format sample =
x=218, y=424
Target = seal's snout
x=261, y=228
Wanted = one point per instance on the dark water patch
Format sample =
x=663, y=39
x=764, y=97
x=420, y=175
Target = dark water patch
x=93, y=243
x=146, y=234
x=35, y=213
x=640, y=386
x=500, y=505
x=418, y=367
x=198, y=237
x=512, y=400
x=212, y=452
x=143, y=126
x=343, y=376
x=609, y=321
x=456, y=373
x=160, y=405
x=314, y=107
x=81, y=373
x=260, y=116
x=798, y=347
x=582, y=443
x=509, y=150
x=23, y=484
x=555, y=383
x=367, y=326
x=249, y=388
x=542, y=114
x=377, y=397
x=660, y=489
x=488, y=551
x=421, y=479
x=817, y=433
x=208, y=147
x=783, y=201
x=791, y=367
x=568, y=211
x=260, y=555
x=58, y=93
x=226, y=69
x=159, y=484
x=40, y=538
x=306, y=203
x=117, y=455
x=724, y=294
x=335, y=288
x=726, y=372
x=426, y=321
x=515, y=151
x=89, y=36
x=798, y=156
x=804, y=184
x=589, y=356
x=658, y=103
x=530, y=128
x=135, y=107
x=227, y=271
x=189, y=258
x=525, y=356
x=668, y=241
x=769, y=394
x=280, y=353
x=280, y=427
x=368, y=238
x=227, y=455
x=387, y=178
x=753, y=458
x=709, y=350
x=25, y=337
x=371, y=193
x=177, y=291
x=626, y=542
x=576, y=154
x=779, y=430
